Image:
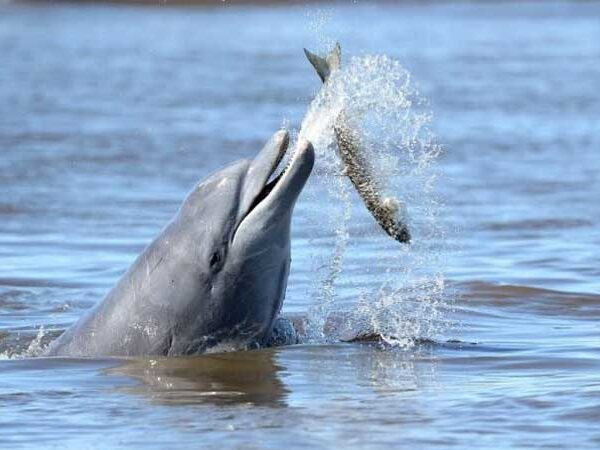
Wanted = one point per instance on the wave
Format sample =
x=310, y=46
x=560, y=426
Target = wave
x=533, y=300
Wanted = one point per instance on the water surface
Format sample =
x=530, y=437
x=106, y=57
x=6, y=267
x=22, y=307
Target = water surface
x=108, y=116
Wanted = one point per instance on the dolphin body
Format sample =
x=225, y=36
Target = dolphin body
x=356, y=163
x=215, y=277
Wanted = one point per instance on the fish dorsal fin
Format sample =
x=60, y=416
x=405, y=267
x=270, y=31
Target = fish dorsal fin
x=325, y=66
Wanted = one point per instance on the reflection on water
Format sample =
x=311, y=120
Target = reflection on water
x=245, y=377
x=260, y=377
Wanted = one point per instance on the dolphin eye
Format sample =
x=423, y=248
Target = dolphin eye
x=215, y=260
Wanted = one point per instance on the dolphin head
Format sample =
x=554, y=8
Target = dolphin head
x=238, y=223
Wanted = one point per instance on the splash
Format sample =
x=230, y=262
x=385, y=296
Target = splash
x=36, y=346
x=376, y=94
x=325, y=291
x=321, y=26
x=16, y=346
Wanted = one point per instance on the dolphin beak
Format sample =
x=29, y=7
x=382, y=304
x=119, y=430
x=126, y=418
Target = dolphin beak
x=276, y=198
x=262, y=167
x=286, y=187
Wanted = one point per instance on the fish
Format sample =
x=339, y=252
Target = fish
x=356, y=165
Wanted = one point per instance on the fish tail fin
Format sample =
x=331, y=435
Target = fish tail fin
x=325, y=66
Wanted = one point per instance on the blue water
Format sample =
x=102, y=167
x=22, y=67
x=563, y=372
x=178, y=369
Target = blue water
x=110, y=113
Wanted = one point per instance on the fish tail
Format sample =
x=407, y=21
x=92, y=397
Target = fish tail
x=326, y=66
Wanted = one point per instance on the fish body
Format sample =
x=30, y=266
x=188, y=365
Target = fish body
x=355, y=160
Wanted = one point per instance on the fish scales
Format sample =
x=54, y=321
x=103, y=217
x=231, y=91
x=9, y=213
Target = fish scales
x=356, y=163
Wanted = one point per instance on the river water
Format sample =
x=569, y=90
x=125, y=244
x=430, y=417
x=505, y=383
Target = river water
x=109, y=114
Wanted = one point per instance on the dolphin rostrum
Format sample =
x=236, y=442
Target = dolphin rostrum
x=215, y=277
x=356, y=163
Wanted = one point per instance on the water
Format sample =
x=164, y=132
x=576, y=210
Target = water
x=109, y=114
x=375, y=97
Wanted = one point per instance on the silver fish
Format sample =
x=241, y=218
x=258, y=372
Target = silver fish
x=355, y=159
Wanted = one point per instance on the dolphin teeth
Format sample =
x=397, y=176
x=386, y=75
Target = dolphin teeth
x=290, y=157
x=275, y=177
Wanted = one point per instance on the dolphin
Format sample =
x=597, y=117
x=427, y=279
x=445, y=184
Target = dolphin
x=356, y=162
x=215, y=277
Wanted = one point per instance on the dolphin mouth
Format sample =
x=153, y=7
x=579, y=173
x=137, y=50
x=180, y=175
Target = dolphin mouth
x=283, y=177
x=270, y=187
x=275, y=177
x=272, y=181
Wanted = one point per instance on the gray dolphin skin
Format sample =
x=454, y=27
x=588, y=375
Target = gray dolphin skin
x=356, y=163
x=215, y=277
